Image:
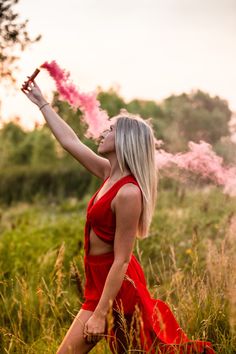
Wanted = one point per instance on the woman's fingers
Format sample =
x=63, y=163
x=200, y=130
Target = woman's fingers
x=32, y=91
x=28, y=85
x=23, y=88
x=93, y=337
x=35, y=85
x=31, y=85
x=28, y=82
x=25, y=91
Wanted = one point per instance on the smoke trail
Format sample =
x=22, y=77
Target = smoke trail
x=96, y=118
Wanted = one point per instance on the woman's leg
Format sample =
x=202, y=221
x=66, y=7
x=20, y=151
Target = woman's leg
x=73, y=342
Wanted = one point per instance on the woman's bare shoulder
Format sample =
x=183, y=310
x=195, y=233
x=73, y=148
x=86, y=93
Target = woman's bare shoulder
x=129, y=194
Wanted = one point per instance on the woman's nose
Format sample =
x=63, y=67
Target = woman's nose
x=104, y=134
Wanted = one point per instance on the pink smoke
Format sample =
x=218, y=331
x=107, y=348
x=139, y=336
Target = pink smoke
x=201, y=159
x=96, y=118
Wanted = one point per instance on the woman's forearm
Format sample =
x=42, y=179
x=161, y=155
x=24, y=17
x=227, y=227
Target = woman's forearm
x=111, y=288
x=60, y=129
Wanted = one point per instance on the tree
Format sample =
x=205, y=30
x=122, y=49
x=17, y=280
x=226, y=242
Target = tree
x=195, y=116
x=35, y=148
x=70, y=115
x=13, y=38
x=11, y=136
x=44, y=147
x=226, y=149
x=145, y=108
x=111, y=101
x=149, y=109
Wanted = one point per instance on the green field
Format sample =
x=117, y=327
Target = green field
x=189, y=261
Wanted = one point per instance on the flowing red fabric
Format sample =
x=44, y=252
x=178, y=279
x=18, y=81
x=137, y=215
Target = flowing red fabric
x=158, y=326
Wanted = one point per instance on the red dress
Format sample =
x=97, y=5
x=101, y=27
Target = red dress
x=157, y=324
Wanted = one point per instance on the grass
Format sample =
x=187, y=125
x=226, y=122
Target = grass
x=189, y=261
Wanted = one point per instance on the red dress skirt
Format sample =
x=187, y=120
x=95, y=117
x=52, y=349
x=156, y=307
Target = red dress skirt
x=158, y=331
x=158, y=326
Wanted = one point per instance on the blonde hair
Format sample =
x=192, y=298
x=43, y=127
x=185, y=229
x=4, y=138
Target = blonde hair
x=135, y=149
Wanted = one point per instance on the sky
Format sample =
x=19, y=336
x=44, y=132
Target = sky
x=148, y=49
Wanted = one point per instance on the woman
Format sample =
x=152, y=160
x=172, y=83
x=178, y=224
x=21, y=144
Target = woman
x=119, y=211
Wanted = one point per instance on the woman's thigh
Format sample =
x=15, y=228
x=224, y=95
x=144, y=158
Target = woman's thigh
x=74, y=342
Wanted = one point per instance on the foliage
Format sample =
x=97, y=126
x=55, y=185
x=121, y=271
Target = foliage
x=226, y=149
x=196, y=116
x=25, y=183
x=70, y=115
x=21, y=148
x=145, y=108
x=13, y=38
x=111, y=101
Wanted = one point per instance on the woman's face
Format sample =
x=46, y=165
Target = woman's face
x=107, y=142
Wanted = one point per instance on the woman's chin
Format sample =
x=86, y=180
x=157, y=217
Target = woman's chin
x=100, y=149
x=104, y=150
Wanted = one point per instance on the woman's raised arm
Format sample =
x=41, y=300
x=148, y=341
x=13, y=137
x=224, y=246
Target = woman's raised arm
x=66, y=136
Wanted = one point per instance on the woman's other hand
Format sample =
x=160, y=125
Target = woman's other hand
x=94, y=328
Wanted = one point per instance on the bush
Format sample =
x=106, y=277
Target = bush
x=23, y=183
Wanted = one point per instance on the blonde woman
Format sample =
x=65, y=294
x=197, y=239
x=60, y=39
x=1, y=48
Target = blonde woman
x=117, y=303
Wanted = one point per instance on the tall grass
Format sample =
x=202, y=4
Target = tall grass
x=189, y=262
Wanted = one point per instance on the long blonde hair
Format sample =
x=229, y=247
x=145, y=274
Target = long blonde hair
x=135, y=149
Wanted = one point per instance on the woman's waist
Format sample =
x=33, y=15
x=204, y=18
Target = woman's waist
x=107, y=257
x=99, y=257
x=100, y=242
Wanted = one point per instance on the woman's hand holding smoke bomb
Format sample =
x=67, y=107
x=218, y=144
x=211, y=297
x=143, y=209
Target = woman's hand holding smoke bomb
x=32, y=90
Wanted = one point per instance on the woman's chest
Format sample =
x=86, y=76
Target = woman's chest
x=103, y=199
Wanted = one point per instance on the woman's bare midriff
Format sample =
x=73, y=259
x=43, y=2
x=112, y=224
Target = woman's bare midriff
x=97, y=246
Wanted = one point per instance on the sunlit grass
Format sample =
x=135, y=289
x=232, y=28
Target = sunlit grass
x=189, y=262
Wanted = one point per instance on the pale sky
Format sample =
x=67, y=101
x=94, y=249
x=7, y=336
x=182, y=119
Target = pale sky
x=149, y=48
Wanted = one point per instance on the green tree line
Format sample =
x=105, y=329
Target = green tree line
x=33, y=156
